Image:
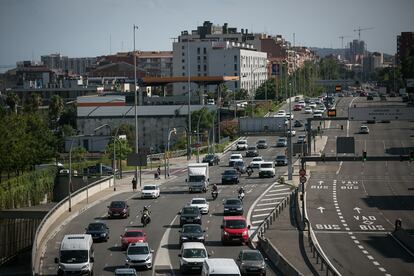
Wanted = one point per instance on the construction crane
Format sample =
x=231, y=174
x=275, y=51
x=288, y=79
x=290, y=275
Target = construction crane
x=342, y=40
x=362, y=29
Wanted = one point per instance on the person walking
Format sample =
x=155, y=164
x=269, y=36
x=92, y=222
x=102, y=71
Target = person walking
x=158, y=172
x=134, y=184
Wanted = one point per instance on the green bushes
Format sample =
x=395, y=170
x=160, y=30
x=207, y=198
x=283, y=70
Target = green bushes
x=27, y=189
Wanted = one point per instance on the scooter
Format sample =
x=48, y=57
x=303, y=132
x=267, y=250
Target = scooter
x=241, y=196
x=214, y=194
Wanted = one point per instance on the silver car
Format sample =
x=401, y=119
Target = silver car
x=139, y=255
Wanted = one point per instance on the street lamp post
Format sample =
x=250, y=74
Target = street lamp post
x=70, y=171
x=198, y=135
x=290, y=136
x=135, y=107
x=174, y=130
x=114, y=144
x=252, y=76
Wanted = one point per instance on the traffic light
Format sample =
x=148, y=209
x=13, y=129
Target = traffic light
x=364, y=155
x=411, y=156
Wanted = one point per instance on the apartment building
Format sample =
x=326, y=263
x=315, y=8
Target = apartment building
x=78, y=66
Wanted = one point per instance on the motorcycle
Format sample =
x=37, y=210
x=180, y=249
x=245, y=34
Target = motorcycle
x=249, y=171
x=241, y=196
x=214, y=194
x=145, y=219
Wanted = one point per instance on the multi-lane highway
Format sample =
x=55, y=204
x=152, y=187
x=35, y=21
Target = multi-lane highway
x=262, y=195
x=353, y=205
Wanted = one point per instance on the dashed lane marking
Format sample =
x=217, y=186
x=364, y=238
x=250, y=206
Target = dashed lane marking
x=263, y=209
x=265, y=204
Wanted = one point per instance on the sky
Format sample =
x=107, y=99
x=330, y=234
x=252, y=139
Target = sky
x=87, y=28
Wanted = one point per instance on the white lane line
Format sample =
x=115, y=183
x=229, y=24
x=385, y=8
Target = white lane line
x=263, y=209
x=269, y=199
x=365, y=252
x=278, y=194
x=382, y=269
x=278, y=190
x=265, y=204
x=375, y=263
x=260, y=215
x=370, y=257
x=256, y=222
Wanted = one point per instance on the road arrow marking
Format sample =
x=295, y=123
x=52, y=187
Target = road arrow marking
x=321, y=209
x=320, y=182
x=358, y=210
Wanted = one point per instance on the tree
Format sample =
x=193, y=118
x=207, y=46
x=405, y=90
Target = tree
x=56, y=108
x=68, y=116
x=12, y=101
x=79, y=154
x=205, y=117
x=122, y=149
x=33, y=102
x=128, y=131
x=241, y=94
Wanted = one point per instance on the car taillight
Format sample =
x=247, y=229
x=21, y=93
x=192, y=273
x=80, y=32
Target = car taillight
x=244, y=233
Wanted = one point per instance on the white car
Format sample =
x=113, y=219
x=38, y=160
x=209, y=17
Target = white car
x=312, y=105
x=267, y=169
x=364, y=129
x=308, y=110
x=201, y=203
x=234, y=158
x=242, y=145
x=317, y=114
x=302, y=103
x=281, y=113
x=150, y=191
x=293, y=132
x=256, y=161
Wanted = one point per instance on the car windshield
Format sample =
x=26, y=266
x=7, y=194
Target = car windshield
x=241, y=142
x=280, y=157
x=190, y=211
x=209, y=157
x=132, y=250
x=230, y=172
x=262, y=142
x=73, y=256
x=117, y=204
x=239, y=163
x=196, y=178
x=198, y=201
x=195, y=253
x=235, y=224
x=282, y=139
x=96, y=226
x=252, y=256
x=233, y=157
x=232, y=202
x=252, y=148
x=266, y=166
x=192, y=229
x=257, y=159
x=134, y=234
x=149, y=188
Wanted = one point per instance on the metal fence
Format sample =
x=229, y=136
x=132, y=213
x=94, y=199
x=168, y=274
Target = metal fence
x=16, y=235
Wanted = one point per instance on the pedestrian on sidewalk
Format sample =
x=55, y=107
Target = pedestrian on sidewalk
x=134, y=184
x=158, y=173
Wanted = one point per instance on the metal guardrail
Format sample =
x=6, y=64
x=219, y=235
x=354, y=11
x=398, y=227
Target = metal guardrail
x=316, y=249
x=37, y=242
x=261, y=229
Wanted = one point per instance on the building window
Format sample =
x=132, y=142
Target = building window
x=235, y=59
x=184, y=87
x=183, y=74
x=205, y=67
x=183, y=54
x=199, y=67
x=183, y=60
x=205, y=50
x=198, y=58
x=235, y=85
x=235, y=67
x=204, y=58
x=183, y=67
x=182, y=47
x=198, y=50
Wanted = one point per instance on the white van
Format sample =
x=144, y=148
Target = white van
x=76, y=255
x=220, y=266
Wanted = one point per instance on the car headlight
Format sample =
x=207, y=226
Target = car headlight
x=200, y=238
x=226, y=209
x=85, y=267
x=239, y=209
x=148, y=258
x=184, y=238
x=103, y=234
x=225, y=233
x=62, y=266
x=127, y=260
x=244, y=232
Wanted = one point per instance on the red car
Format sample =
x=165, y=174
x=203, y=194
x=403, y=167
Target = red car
x=297, y=107
x=234, y=229
x=118, y=209
x=132, y=236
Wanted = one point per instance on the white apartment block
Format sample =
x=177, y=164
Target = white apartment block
x=218, y=57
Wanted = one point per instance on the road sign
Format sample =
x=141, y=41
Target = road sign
x=381, y=113
x=134, y=159
x=302, y=172
x=331, y=112
x=345, y=145
x=302, y=179
x=338, y=88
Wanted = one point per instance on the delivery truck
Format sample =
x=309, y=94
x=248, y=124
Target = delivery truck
x=198, y=178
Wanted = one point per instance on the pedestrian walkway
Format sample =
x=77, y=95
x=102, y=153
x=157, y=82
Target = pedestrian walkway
x=284, y=233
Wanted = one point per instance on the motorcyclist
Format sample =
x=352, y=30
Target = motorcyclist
x=146, y=214
x=146, y=210
x=214, y=188
x=214, y=191
x=249, y=170
x=241, y=190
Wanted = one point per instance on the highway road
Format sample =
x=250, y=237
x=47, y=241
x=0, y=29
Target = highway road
x=353, y=206
x=261, y=196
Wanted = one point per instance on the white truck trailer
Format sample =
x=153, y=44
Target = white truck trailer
x=198, y=177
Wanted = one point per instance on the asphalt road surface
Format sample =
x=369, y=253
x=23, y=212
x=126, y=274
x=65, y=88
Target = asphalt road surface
x=353, y=205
